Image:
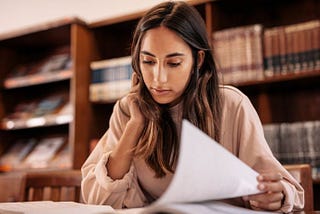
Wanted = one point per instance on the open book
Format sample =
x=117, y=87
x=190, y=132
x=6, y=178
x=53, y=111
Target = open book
x=206, y=172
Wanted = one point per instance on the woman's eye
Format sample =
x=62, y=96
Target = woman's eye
x=148, y=62
x=174, y=64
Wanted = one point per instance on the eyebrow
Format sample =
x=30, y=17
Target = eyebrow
x=167, y=56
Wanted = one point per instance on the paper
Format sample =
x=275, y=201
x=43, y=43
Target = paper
x=207, y=171
x=212, y=207
x=48, y=207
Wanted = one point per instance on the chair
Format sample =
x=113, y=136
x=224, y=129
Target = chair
x=54, y=186
x=302, y=173
x=15, y=181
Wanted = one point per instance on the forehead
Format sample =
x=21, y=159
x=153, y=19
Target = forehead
x=162, y=41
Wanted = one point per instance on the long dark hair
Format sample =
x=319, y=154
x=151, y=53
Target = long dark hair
x=159, y=143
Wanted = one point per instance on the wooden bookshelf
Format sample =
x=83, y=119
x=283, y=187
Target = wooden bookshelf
x=31, y=46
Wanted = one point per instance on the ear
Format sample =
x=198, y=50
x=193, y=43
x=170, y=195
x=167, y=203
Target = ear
x=134, y=82
x=201, y=56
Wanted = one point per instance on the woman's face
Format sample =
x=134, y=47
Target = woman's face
x=166, y=63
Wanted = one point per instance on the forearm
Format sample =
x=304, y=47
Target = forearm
x=120, y=159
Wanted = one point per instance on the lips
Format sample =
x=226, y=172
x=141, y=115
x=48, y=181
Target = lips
x=160, y=91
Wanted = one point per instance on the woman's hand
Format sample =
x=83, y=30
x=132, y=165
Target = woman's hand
x=272, y=198
x=132, y=99
x=136, y=117
x=120, y=159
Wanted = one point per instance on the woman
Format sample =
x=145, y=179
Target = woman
x=176, y=78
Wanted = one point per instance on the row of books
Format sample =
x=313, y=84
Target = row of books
x=238, y=53
x=253, y=52
x=53, y=66
x=111, y=79
x=295, y=143
x=36, y=153
x=50, y=110
x=292, y=48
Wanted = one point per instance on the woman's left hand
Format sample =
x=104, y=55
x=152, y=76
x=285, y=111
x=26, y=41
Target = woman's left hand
x=272, y=198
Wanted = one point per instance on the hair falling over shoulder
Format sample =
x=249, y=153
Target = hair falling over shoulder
x=159, y=143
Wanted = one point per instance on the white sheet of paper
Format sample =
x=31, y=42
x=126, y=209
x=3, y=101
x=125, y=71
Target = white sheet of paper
x=40, y=207
x=207, y=171
x=209, y=207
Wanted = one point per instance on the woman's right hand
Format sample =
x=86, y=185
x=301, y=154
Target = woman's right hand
x=136, y=117
x=121, y=157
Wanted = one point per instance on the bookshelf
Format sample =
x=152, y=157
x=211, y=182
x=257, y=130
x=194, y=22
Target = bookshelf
x=290, y=97
x=44, y=89
x=283, y=98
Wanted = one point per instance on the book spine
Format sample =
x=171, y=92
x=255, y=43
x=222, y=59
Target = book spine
x=267, y=48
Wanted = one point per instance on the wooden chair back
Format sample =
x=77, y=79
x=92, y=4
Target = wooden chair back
x=11, y=187
x=53, y=186
x=302, y=173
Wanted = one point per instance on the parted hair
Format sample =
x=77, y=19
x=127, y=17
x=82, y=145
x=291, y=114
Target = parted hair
x=159, y=142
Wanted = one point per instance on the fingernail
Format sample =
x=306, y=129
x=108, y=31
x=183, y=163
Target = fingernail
x=262, y=186
x=260, y=178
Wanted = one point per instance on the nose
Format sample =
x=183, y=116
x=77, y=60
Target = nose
x=160, y=74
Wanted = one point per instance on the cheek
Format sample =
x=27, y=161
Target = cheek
x=181, y=79
x=147, y=77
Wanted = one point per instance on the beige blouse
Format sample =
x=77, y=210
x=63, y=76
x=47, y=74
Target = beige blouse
x=241, y=133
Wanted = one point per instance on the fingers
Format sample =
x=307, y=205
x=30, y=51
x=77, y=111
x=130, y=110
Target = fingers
x=270, y=182
x=134, y=109
x=266, y=197
x=272, y=206
x=272, y=196
x=270, y=186
x=270, y=177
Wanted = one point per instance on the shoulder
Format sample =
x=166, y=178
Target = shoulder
x=231, y=95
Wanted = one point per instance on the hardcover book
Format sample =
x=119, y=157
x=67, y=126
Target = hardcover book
x=44, y=151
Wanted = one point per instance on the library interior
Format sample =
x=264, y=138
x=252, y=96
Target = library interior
x=59, y=81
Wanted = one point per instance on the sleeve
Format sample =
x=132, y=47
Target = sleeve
x=96, y=186
x=254, y=151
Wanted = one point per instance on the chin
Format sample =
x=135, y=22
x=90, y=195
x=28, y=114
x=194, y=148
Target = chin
x=162, y=102
x=170, y=102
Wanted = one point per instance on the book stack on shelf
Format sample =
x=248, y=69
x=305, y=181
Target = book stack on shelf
x=51, y=110
x=53, y=67
x=13, y=158
x=111, y=79
x=296, y=143
x=292, y=48
x=35, y=153
x=251, y=53
x=238, y=53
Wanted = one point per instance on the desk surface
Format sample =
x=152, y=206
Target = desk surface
x=50, y=207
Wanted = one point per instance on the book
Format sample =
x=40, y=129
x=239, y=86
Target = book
x=111, y=79
x=295, y=143
x=44, y=151
x=17, y=152
x=238, y=52
x=53, y=109
x=37, y=207
x=48, y=67
x=62, y=159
